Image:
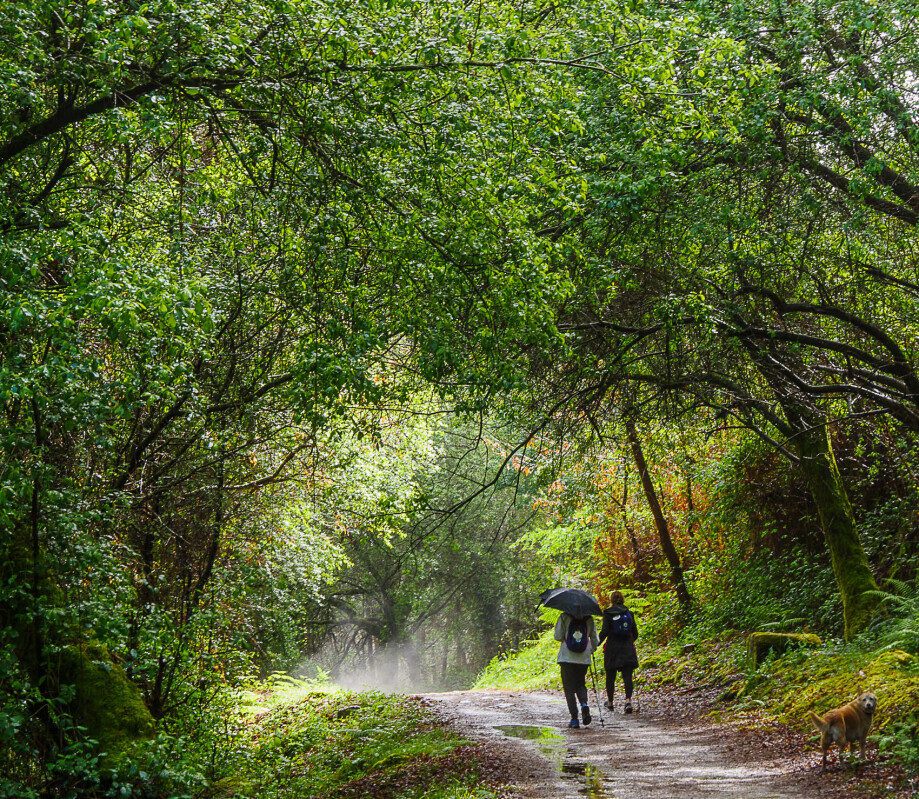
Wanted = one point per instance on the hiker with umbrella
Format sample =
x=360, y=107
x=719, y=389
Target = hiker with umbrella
x=577, y=634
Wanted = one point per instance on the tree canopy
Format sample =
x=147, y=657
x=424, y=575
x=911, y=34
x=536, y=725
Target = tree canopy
x=308, y=307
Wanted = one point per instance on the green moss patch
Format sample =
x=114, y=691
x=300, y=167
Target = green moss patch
x=105, y=701
x=826, y=678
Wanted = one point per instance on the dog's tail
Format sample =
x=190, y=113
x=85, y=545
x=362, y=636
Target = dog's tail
x=819, y=724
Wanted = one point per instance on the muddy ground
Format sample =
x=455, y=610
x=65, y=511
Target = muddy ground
x=669, y=748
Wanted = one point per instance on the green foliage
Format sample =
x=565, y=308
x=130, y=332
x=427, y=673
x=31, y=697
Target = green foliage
x=232, y=244
x=901, y=741
x=564, y=543
x=902, y=631
x=239, y=243
x=308, y=741
x=772, y=591
x=427, y=597
x=532, y=666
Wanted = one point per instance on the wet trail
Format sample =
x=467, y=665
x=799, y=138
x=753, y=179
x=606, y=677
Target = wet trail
x=637, y=756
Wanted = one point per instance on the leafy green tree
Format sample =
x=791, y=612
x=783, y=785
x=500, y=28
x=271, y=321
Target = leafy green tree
x=225, y=231
x=726, y=253
x=426, y=520
x=189, y=199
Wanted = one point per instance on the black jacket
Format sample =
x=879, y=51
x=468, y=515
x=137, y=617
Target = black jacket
x=619, y=651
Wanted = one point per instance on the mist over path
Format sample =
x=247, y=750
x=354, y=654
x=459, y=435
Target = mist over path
x=658, y=753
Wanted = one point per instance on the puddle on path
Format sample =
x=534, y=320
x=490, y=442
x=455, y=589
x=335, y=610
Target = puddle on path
x=530, y=733
x=551, y=743
x=593, y=779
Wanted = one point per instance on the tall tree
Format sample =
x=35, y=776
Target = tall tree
x=660, y=522
x=725, y=250
x=223, y=229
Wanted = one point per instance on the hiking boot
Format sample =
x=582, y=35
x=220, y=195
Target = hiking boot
x=609, y=706
x=585, y=713
x=628, y=706
x=574, y=724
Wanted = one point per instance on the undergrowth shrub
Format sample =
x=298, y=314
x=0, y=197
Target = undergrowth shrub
x=901, y=742
x=759, y=591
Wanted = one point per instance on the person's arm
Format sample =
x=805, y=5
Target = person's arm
x=604, y=630
x=634, y=627
x=593, y=634
x=561, y=627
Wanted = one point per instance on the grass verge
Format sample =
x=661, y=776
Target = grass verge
x=296, y=740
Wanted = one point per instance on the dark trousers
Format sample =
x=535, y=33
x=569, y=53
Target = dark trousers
x=611, y=682
x=574, y=684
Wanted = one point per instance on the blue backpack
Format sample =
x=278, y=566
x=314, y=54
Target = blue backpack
x=622, y=625
x=576, y=638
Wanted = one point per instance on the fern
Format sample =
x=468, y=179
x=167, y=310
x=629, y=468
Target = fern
x=902, y=601
x=900, y=740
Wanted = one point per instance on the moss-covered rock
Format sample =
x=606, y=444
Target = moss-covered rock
x=835, y=676
x=896, y=658
x=105, y=701
x=760, y=644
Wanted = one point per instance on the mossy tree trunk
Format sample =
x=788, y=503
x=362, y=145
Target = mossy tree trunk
x=104, y=702
x=854, y=578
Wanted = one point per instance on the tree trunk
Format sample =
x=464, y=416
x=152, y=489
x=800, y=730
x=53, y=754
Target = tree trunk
x=850, y=563
x=690, y=507
x=673, y=557
x=640, y=572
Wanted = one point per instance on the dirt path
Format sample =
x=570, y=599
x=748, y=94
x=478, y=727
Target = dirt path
x=645, y=755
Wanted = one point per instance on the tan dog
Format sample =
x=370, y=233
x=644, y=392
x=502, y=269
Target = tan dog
x=845, y=725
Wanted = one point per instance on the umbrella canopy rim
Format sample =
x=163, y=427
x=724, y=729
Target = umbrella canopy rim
x=568, y=600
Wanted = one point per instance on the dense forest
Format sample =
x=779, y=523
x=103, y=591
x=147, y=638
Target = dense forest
x=332, y=333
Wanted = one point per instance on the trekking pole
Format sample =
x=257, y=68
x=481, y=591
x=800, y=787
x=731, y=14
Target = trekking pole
x=593, y=677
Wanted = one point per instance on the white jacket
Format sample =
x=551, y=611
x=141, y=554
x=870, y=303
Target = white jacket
x=565, y=655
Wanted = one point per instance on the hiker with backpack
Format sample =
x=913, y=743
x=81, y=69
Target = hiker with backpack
x=619, y=631
x=578, y=637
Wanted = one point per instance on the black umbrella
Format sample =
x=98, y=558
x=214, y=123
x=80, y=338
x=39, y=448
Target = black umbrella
x=571, y=600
